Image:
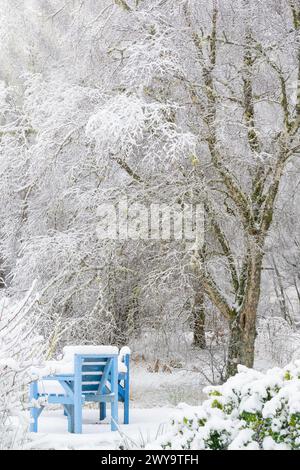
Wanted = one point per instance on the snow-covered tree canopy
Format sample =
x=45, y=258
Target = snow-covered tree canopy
x=191, y=102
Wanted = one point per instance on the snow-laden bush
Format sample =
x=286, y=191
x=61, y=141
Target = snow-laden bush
x=20, y=349
x=252, y=410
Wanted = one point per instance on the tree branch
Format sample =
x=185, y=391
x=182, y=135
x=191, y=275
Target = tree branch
x=123, y=4
x=211, y=289
x=128, y=169
x=221, y=237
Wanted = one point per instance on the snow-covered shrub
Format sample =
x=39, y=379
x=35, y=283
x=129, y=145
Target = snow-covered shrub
x=20, y=349
x=252, y=410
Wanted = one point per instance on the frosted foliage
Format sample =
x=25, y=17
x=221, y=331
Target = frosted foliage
x=119, y=125
x=252, y=410
x=128, y=123
x=147, y=63
x=56, y=102
x=20, y=349
x=277, y=340
x=153, y=58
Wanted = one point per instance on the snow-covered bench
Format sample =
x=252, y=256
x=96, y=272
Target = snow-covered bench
x=85, y=374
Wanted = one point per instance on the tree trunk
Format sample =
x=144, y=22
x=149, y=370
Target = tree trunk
x=241, y=342
x=243, y=323
x=199, y=320
x=2, y=274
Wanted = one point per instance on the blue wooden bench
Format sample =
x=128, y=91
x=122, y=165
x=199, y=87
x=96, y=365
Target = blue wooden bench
x=95, y=379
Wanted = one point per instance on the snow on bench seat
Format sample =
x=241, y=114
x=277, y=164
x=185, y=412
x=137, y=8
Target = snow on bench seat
x=66, y=364
x=70, y=351
x=50, y=387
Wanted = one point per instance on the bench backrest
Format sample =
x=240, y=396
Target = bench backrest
x=93, y=371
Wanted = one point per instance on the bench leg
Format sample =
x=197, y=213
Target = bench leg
x=78, y=418
x=126, y=409
x=77, y=396
x=69, y=412
x=102, y=407
x=127, y=390
x=114, y=389
x=34, y=420
x=34, y=412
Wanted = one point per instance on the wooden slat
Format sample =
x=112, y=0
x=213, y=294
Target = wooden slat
x=93, y=360
x=60, y=399
x=92, y=378
x=93, y=368
x=92, y=372
x=97, y=398
x=90, y=387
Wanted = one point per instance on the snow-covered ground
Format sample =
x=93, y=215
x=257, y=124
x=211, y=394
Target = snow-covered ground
x=149, y=390
x=145, y=425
